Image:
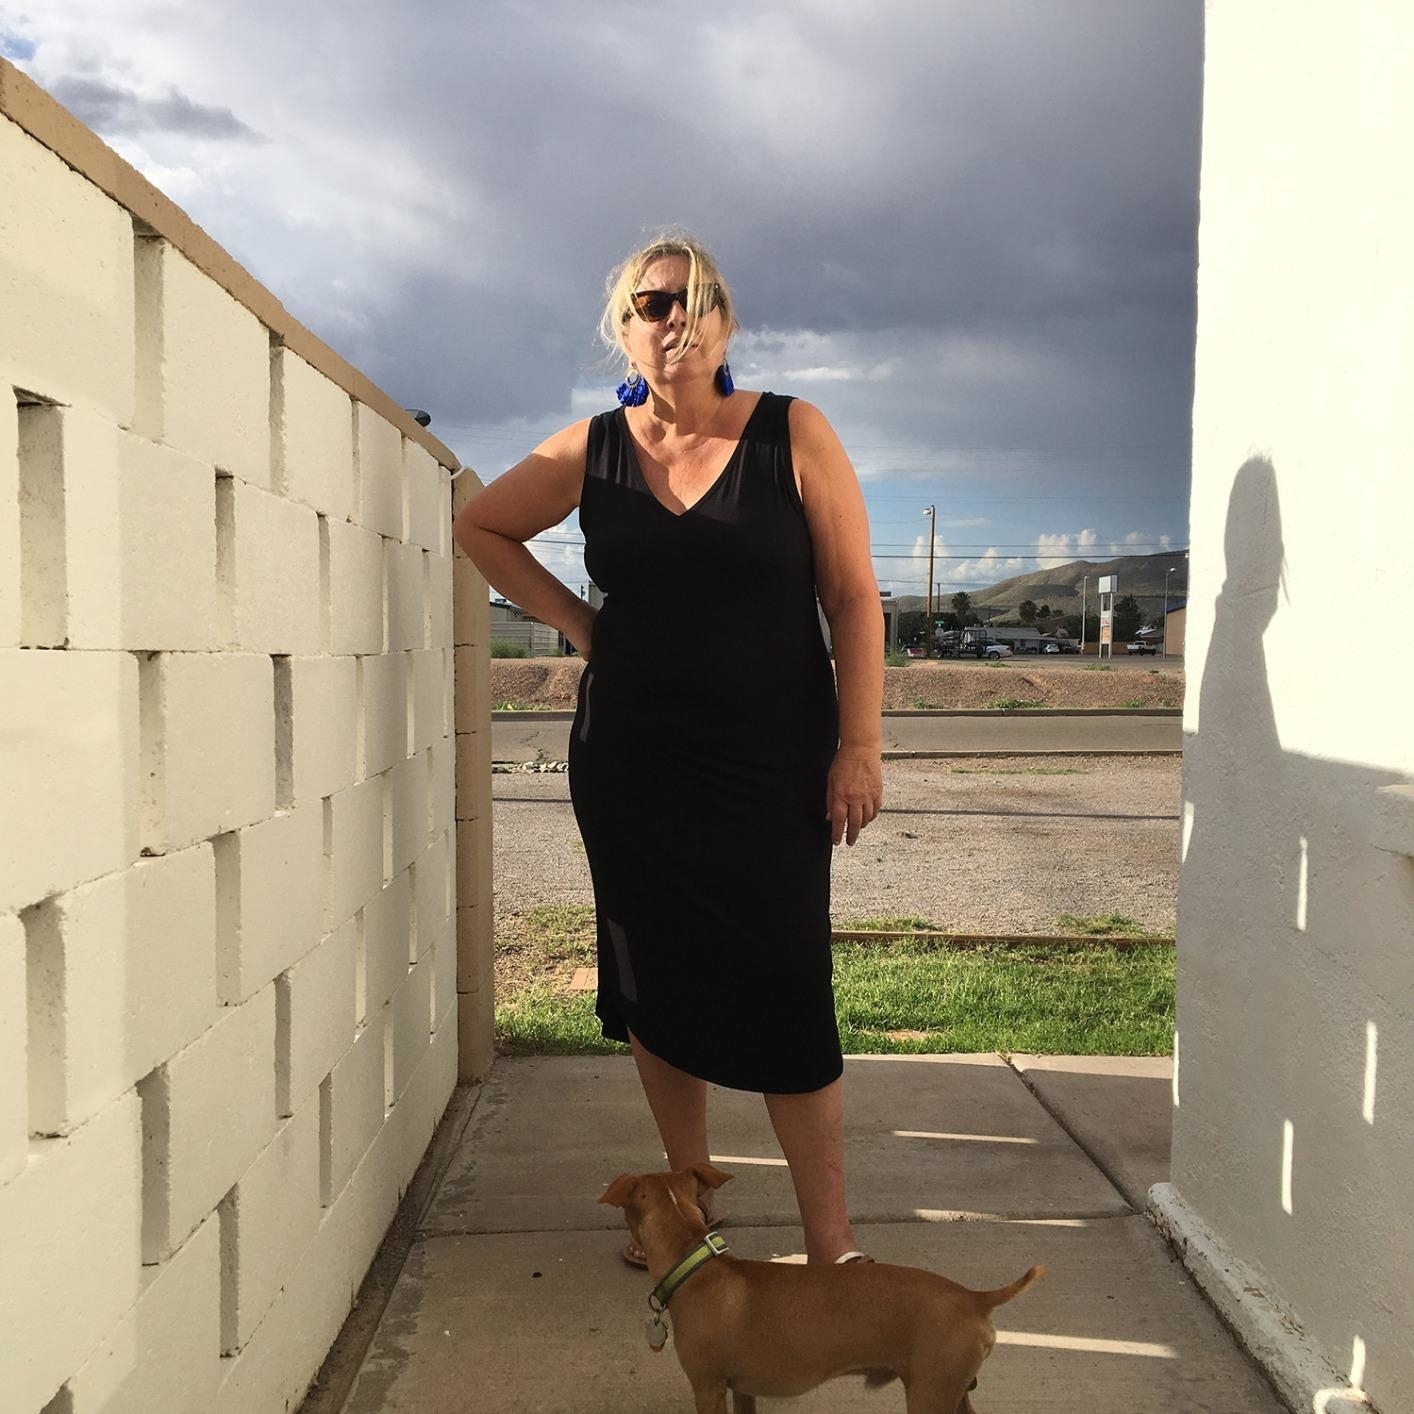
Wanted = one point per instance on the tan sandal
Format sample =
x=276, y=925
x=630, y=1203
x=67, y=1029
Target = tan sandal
x=635, y=1256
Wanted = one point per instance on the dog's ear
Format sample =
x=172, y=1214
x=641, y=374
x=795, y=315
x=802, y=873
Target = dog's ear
x=619, y=1191
x=708, y=1176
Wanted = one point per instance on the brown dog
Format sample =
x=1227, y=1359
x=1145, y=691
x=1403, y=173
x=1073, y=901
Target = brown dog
x=778, y=1329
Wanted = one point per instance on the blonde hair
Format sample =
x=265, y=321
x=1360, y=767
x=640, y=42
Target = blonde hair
x=702, y=272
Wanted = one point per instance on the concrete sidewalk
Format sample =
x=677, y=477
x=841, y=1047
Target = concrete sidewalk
x=513, y=1298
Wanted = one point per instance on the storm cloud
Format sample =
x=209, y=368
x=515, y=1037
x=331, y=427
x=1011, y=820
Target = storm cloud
x=965, y=229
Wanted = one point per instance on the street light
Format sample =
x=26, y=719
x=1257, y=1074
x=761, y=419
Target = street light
x=932, y=513
x=1084, y=585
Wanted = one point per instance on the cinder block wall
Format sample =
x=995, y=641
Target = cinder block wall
x=228, y=889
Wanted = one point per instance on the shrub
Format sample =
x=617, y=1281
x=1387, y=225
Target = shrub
x=500, y=648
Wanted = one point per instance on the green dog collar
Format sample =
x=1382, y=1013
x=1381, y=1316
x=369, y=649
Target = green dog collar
x=711, y=1246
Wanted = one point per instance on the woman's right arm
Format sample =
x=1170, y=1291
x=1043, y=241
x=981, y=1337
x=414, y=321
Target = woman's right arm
x=532, y=496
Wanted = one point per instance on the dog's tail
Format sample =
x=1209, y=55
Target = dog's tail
x=992, y=1299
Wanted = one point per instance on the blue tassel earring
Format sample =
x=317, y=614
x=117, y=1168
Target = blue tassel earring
x=633, y=391
x=725, y=386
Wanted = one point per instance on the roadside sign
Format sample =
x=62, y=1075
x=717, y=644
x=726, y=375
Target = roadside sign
x=1109, y=584
x=1107, y=633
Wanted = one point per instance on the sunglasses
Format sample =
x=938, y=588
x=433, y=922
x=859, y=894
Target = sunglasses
x=656, y=305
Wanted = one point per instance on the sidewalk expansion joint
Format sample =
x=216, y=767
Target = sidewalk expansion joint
x=1072, y=1136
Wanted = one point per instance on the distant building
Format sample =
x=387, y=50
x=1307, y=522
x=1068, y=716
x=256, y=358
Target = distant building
x=1174, y=626
x=511, y=624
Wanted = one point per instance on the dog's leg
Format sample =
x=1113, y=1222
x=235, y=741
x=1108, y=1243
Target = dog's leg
x=711, y=1397
x=743, y=1403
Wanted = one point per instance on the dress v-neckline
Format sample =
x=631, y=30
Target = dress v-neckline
x=717, y=480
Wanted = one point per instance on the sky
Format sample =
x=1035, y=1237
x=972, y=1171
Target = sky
x=964, y=229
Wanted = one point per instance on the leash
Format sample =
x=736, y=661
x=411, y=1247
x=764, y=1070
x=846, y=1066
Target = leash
x=656, y=1328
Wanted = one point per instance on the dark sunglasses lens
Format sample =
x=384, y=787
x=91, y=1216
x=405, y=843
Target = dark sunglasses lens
x=654, y=304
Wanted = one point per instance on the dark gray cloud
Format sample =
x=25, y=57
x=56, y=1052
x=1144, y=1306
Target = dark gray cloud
x=115, y=111
x=1021, y=174
x=967, y=229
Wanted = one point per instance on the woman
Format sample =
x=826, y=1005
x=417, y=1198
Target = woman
x=711, y=765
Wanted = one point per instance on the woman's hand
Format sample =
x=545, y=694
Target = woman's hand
x=854, y=793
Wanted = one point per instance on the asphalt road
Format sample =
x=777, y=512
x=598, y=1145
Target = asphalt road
x=544, y=736
x=982, y=844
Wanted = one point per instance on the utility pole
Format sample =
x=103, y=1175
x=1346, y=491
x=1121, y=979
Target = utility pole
x=1084, y=584
x=932, y=513
x=1164, y=650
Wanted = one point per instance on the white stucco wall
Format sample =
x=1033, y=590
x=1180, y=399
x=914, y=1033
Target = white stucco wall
x=1294, y=1120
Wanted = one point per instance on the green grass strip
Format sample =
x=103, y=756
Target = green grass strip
x=909, y=998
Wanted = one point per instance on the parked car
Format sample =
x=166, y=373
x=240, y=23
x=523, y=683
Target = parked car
x=998, y=650
x=1142, y=645
x=1059, y=645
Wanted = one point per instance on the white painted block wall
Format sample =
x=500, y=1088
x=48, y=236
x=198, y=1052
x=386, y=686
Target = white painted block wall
x=228, y=994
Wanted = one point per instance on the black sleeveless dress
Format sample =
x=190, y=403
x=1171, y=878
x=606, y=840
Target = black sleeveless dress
x=706, y=724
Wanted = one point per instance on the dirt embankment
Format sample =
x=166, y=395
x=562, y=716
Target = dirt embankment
x=551, y=683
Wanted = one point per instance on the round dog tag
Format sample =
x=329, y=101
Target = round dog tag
x=656, y=1329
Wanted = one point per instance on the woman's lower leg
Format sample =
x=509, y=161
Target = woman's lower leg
x=810, y=1129
x=679, y=1104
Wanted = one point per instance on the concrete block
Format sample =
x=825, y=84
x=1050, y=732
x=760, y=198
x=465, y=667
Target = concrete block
x=269, y=899
x=412, y=1024
x=284, y=1353
x=206, y=1114
x=473, y=689
x=66, y=281
x=313, y=437
x=384, y=692
x=429, y=498
x=444, y=783
x=355, y=588
x=471, y=604
x=121, y=976
x=443, y=956
x=208, y=746
x=117, y=537
x=473, y=774
x=163, y=1356
x=474, y=863
x=353, y=833
x=316, y=1016
x=432, y=893
x=267, y=570
x=387, y=943
x=476, y=947
x=439, y=601
x=69, y=1254
x=68, y=769
x=316, y=709
x=405, y=576
x=429, y=698
x=466, y=485
x=353, y=1107
x=9, y=519
x=380, y=473
x=153, y=585
x=214, y=373
x=408, y=784
x=476, y=1035
x=14, y=1122
x=268, y=1221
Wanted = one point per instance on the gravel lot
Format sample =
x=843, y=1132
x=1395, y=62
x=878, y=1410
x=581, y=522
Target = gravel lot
x=975, y=844
x=552, y=682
